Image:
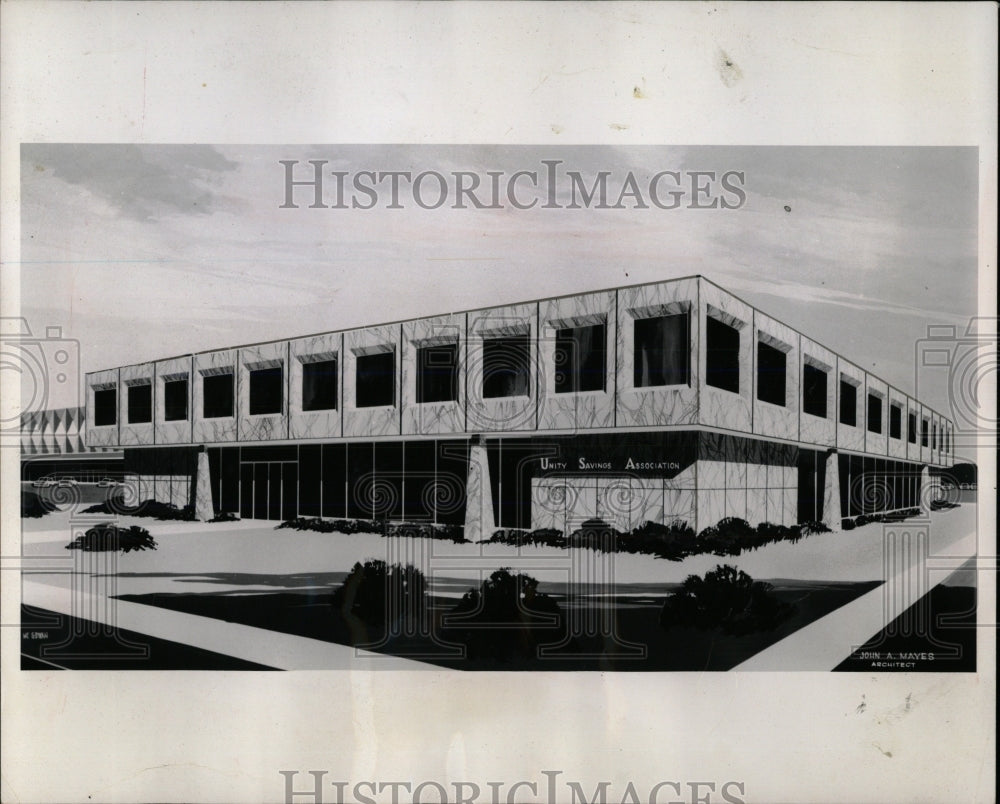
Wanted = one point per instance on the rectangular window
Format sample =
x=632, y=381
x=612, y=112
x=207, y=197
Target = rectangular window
x=934, y=443
x=140, y=404
x=105, y=407
x=923, y=432
x=376, y=380
x=319, y=385
x=175, y=400
x=770, y=374
x=218, y=396
x=437, y=373
x=813, y=391
x=911, y=428
x=895, y=421
x=506, y=367
x=580, y=356
x=265, y=391
x=874, y=414
x=661, y=351
x=848, y=403
x=722, y=363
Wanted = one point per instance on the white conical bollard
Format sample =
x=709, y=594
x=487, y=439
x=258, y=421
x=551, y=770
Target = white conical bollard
x=832, y=515
x=479, y=522
x=203, y=508
x=926, y=493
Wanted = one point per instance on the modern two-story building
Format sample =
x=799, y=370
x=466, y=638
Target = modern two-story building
x=672, y=401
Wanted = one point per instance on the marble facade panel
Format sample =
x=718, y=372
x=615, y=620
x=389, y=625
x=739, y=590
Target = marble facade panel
x=106, y=435
x=314, y=423
x=736, y=502
x=814, y=429
x=717, y=407
x=586, y=409
x=222, y=428
x=509, y=413
x=656, y=405
x=756, y=505
x=135, y=433
x=370, y=421
x=446, y=416
x=711, y=507
x=778, y=421
x=851, y=437
x=177, y=431
x=262, y=427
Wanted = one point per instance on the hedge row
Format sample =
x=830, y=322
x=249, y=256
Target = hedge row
x=676, y=541
x=452, y=533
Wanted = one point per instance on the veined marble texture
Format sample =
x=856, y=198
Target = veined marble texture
x=717, y=407
x=776, y=420
x=575, y=411
x=814, y=429
x=502, y=414
x=374, y=421
x=223, y=428
x=179, y=431
x=876, y=443
x=106, y=435
x=656, y=405
x=137, y=433
x=432, y=417
x=623, y=502
x=269, y=426
x=314, y=423
x=851, y=437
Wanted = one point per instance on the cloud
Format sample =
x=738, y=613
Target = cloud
x=145, y=183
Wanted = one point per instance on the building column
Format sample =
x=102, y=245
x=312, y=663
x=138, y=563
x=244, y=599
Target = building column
x=926, y=494
x=832, y=514
x=203, y=508
x=479, y=521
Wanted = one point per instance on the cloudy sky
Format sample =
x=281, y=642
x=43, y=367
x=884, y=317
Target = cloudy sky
x=142, y=252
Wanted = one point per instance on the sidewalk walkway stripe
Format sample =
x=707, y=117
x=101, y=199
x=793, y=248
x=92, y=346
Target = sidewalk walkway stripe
x=824, y=644
x=258, y=645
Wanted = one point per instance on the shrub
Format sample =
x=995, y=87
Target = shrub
x=673, y=541
x=597, y=535
x=224, y=516
x=108, y=537
x=847, y=524
x=115, y=504
x=34, y=505
x=547, y=537
x=453, y=533
x=377, y=594
x=812, y=526
x=725, y=598
x=501, y=619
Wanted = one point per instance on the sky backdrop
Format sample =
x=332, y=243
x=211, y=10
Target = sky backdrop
x=144, y=252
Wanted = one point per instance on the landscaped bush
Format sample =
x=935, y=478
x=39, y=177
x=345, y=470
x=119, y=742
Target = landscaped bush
x=452, y=533
x=376, y=593
x=811, y=526
x=224, y=516
x=34, y=505
x=108, y=537
x=115, y=505
x=726, y=598
x=942, y=505
x=847, y=524
x=545, y=537
x=505, y=617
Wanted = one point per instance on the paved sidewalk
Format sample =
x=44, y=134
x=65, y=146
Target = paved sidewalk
x=258, y=645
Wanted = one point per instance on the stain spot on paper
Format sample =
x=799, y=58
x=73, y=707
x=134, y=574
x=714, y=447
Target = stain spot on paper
x=729, y=71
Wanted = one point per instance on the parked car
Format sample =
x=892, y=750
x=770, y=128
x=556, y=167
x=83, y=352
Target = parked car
x=44, y=483
x=106, y=483
x=65, y=483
